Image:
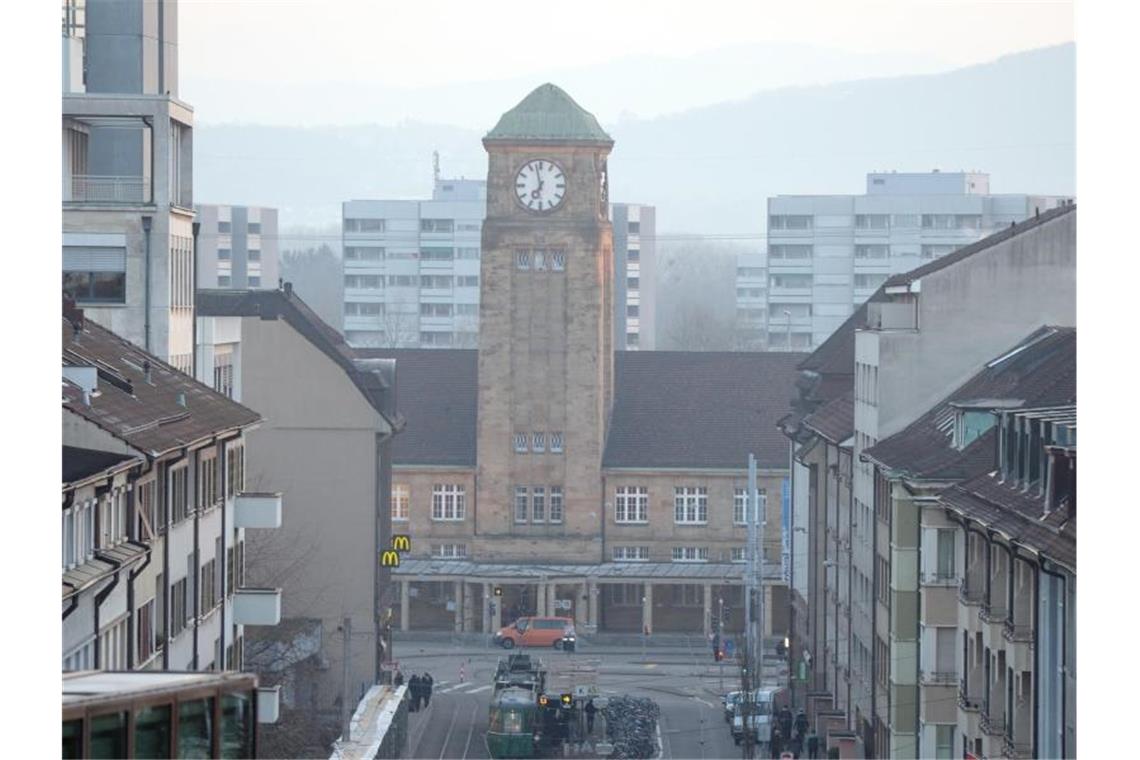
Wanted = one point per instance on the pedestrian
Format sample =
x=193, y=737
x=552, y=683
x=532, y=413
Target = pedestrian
x=399, y=680
x=426, y=687
x=414, y=692
x=801, y=724
x=812, y=744
x=590, y=710
x=785, y=722
x=776, y=742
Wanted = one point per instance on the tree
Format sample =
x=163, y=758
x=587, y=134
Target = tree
x=318, y=278
x=696, y=295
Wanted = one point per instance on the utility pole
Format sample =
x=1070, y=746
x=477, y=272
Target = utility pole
x=345, y=719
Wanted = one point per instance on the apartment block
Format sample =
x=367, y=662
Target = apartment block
x=127, y=150
x=635, y=276
x=155, y=513
x=752, y=301
x=828, y=253
x=237, y=247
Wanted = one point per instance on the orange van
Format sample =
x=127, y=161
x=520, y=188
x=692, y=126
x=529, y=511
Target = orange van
x=535, y=632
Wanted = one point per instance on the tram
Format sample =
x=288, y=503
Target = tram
x=513, y=722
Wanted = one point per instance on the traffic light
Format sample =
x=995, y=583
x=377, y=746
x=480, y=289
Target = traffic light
x=567, y=700
x=498, y=590
x=782, y=648
x=718, y=655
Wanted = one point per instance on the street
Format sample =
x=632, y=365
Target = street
x=683, y=680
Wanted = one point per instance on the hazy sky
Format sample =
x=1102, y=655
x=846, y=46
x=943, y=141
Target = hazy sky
x=435, y=42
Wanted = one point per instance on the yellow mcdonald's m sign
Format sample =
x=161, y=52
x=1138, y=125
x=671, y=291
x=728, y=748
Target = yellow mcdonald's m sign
x=390, y=558
x=401, y=543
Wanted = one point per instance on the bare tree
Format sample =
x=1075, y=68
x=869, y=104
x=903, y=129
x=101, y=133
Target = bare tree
x=696, y=296
x=696, y=327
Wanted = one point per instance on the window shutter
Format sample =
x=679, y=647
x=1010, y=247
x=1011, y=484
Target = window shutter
x=94, y=259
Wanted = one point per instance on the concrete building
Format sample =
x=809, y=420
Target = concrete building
x=127, y=147
x=237, y=247
x=635, y=276
x=828, y=253
x=752, y=301
x=325, y=441
x=920, y=336
x=607, y=486
x=411, y=268
x=155, y=513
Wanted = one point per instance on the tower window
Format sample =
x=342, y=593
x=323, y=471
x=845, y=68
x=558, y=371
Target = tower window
x=538, y=444
x=520, y=443
x=522, y=260
x=539, y=261
x=556, y=442
x=558, y=261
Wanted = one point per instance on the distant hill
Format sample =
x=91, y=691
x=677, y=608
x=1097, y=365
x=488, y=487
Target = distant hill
x=710, y=169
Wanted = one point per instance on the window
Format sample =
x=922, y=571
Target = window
x=178, y=607
x=945, y=555
x=944, y=741
x=632, y=340
x=435, y=310
x=254, y=228
x=800, y=281
x=790, y=222
x=435, y=338
x=539, y=261
x=95, y=274
x=363, y=253
x=556, y=509
x=871, y=251
x=146, y=512
x=538, y=504
x=538, y=443
x=556, y=442
x=225, y=228
x=522, y=260
x=872, y=221
x=436, y=281
x=936, y=251
x=558, y=261
x=437, y=254
x=737, y=554
x=253, y=254
x=208, y=586
x=750, y=271
x=784, y=251
x=400, y=497
x=402, y=280
x=635, y=228
x=448, y=502
x=740, y=504
x=224, y=281
x=467, y=309
x=690, y=554
x=633, y=255
x=449, y=551
x=363, y=225
x=938, y=221
x=468, y=226
x=177, y=494
x=437, y=225
x=195, y=727
x=633, y=310
x=749, y=292
x=631, y=554
x=363, y=281
x=467, y=281
x=688, y=595
x=690, y=505
x=631, y=504
x=235, y=470
x=521, y=504
x=363, y=309
x=520, y=443
x=633, y=283
x=224, y=254
x=869, y=281
x=905, y=220
x=467, y=253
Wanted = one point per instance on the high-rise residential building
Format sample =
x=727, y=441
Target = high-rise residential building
x=828, y=253
x=635, y=276
x=127, y=147
x=237, y=247
x=411, y=268
x=751, y=300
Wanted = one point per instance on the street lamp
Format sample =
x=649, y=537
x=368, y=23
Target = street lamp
x=788, y=333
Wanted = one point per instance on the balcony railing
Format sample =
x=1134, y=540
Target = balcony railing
x=90, y=188
x=1012, y=632
x=967, y=702
x=257, y=606
x=991, y=613
x=992, y=726
x=970, y=594
x=1015, y=749
x=940, y=579
x=257, y=510
x=948, y=678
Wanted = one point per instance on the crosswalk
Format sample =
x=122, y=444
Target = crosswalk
x=466, y=687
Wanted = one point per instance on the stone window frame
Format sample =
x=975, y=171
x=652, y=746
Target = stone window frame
x=631, y=500
x=449, y=502
x=401, y=499
x=691, y=505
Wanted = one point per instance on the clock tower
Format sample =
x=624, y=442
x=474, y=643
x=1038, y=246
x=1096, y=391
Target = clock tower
x=545, y=335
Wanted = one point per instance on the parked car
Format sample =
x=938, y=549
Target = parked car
x=536, y=632
x=729, y=701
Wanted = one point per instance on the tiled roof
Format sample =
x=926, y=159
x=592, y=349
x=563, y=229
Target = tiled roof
x=548, y=113
x=436, y=393
x=671, y=408
x=1018, y=515
x=80, y=464
x=905, y=278
x=285, y=304
x=835, y=420
x=1040, y=371
x=700, y=409
x=169, y=412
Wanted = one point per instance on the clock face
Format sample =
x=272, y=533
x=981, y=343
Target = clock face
x=540, y=185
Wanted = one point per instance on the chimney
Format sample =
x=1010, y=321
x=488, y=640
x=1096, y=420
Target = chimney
x=288, y=290
x=182, y=400
x=87, y=378
x=146, y=372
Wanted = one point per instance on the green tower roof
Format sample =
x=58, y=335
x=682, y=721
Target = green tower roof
x=548, y=113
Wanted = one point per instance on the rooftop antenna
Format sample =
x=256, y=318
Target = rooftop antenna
x=435, y=165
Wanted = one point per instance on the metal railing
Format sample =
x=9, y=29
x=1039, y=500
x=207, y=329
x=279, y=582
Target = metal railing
x=940, y=579
x=967, y=594
x=90, y=188
x=1013, y=632
x=991, y=613
x=992, y=726
x=1015, y=749
x=948, y=678
x=967, y=702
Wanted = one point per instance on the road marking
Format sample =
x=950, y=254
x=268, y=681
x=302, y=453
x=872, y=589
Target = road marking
x=447, y=737
x=470, y=731
x=485, y=687
x=704, y=702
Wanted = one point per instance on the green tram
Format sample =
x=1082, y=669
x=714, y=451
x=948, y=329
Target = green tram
x=513, y=723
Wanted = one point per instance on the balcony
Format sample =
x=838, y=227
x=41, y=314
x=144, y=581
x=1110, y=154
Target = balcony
x=949, y=678
x=257, y=510
x=992, y=726
x=257, y=606
x=91, y=188
x=1015, y=749
x=939, y=579
x=966, y=701
x=268, y=704
x=971, y=594
x=1012, y=632
x=992, y=613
